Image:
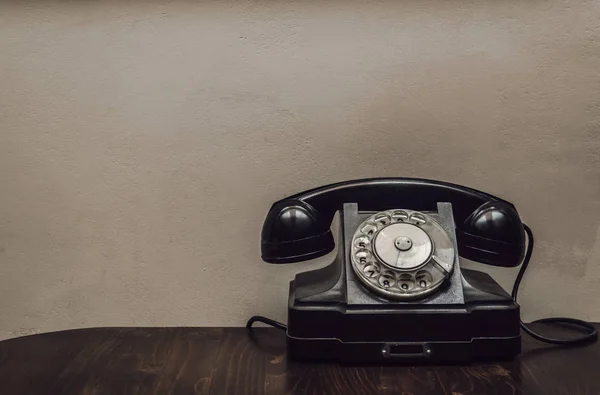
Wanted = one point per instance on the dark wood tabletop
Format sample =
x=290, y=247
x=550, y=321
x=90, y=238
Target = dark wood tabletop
x=227, y=361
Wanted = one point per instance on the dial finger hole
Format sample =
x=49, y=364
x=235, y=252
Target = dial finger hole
x=424, y=279
x=387, y=280
x=371, y=270
x=418, y=219
x=362, y=242
x=399, y=216
x=363, y=256
x=382, y=219
x=406, y=282
x=369, y=229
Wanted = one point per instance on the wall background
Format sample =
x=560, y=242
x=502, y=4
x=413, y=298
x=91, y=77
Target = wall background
x=142, y=143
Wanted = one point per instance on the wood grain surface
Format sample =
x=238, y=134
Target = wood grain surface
x=228, y=361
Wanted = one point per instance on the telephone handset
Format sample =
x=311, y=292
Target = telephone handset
x=488, y=229
x=395, y=290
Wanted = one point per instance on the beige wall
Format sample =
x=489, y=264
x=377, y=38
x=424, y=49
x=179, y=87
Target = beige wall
x=142, y=144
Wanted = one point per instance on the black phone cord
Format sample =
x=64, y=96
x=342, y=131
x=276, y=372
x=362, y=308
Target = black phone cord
x=265, y=320
x=592, y=331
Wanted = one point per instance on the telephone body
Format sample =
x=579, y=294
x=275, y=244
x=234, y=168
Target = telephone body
x=395, y=292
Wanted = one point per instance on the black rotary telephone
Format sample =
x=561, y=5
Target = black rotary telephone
x=396, y=291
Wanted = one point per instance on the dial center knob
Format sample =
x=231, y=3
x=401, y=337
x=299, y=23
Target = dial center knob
x=403, y=243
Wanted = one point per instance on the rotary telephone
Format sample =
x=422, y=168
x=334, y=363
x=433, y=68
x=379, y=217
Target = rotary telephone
x=396, y=291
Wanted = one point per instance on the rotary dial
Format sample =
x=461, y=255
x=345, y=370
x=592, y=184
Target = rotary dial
x=402, y=254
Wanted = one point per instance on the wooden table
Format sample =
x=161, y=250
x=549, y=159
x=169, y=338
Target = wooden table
x=225, y=361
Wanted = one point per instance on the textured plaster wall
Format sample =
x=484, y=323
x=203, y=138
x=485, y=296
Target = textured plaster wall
x=142, y=143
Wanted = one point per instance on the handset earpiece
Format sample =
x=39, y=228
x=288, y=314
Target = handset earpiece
x=493, y=234
x=293, y=232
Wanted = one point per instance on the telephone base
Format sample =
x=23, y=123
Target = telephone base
x=485, y=328
x=337, y=313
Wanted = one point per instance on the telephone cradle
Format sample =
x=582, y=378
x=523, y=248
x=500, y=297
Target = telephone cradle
x=395, y=291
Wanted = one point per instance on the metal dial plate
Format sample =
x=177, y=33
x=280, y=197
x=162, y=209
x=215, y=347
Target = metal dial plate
x=402, y=254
